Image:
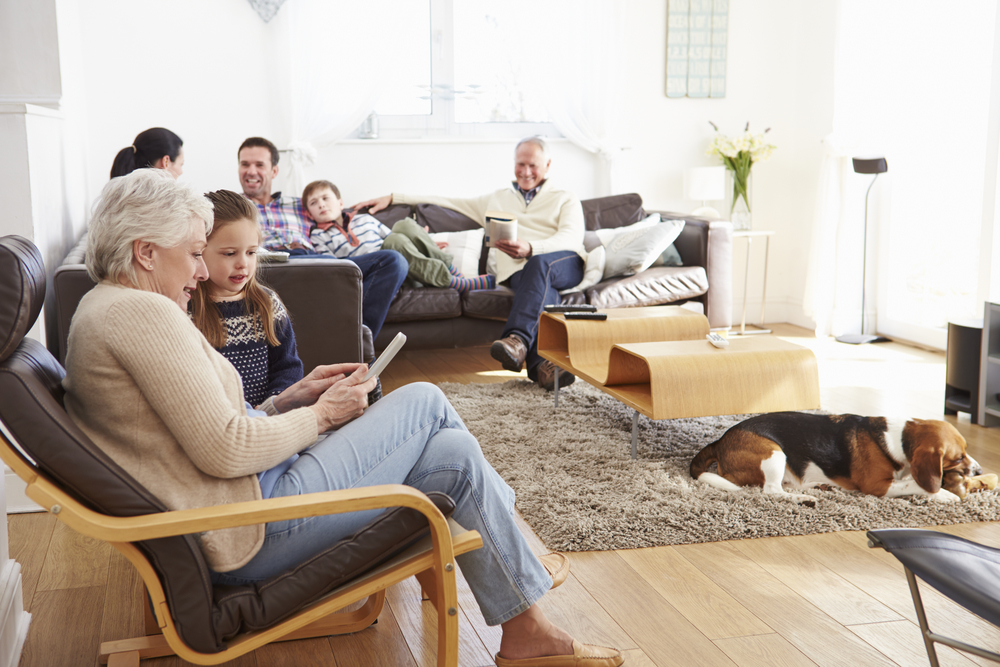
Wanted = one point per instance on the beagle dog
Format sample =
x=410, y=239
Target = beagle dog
x=874, y=455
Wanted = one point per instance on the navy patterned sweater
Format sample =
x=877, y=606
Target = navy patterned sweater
x=266, y=369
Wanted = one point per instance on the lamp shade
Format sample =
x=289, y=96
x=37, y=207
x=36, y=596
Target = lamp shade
x=870, y=165
x=705, y=183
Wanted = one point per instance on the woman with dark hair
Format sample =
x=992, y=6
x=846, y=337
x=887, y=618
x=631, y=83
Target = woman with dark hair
x=157, y=147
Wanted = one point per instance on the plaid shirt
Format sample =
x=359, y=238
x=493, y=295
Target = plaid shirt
x=284, y=221
x=527, y=194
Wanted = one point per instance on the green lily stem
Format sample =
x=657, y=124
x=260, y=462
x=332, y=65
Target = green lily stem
x=740, y=166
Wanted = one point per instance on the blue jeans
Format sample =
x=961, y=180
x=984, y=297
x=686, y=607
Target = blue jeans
x=535, y=286
x=383, y=272
x=412, y=436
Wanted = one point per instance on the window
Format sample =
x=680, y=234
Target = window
x=462, y=71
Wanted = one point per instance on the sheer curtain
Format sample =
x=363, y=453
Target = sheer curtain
x=912, y=85
x=576, y=73
x=339, y=63
x=833, y=282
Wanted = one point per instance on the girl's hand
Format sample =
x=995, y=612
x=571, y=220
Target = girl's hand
x=307, y=391
x=344, y=401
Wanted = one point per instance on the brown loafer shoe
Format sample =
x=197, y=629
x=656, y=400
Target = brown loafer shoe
x=557, y=565
x=510, y=352
x=584, y=655
x=546, y=376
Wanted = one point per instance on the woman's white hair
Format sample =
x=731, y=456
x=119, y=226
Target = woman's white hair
x=146, y=205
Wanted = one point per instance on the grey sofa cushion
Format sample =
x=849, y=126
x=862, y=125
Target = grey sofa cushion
x=652, y=287
x=424, y=303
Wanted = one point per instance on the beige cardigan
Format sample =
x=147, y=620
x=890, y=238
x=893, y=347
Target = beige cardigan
x=552, y=221
x=148, y=389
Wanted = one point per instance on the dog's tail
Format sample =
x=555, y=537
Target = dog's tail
x=703, y=460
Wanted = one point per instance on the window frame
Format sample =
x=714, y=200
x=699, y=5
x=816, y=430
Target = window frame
x=441, y=123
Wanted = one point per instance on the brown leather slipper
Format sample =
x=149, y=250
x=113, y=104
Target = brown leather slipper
x=557, y=565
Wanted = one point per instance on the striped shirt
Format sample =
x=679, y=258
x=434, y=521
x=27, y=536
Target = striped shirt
x=366, y=229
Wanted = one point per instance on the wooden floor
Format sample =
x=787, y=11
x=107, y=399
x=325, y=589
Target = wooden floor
x=813, y=600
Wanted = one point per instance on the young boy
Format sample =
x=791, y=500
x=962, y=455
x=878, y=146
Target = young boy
x=345, y=234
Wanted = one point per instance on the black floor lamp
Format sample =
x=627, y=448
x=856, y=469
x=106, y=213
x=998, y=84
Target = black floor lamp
x=865, y=165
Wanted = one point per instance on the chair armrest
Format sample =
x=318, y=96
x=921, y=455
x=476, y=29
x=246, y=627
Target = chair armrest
x=323, y=298
x=183, y=522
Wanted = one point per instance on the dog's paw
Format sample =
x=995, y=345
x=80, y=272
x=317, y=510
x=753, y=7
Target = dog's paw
x=802, y=499
x=945, y=496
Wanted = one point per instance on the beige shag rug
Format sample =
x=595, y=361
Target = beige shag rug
x=579, y=489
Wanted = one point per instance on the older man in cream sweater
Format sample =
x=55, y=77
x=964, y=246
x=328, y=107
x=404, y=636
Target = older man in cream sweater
x=547, y=256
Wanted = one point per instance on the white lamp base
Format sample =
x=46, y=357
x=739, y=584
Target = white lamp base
x=861, y=339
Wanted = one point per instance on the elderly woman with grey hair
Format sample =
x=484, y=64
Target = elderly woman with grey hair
x=151, y=392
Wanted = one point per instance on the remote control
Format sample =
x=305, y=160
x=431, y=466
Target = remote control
x=586, y=316
x=582, y=308
x=717, y=340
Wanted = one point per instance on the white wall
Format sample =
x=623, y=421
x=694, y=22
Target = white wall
x=212, y=73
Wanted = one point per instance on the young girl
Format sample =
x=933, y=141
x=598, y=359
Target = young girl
x=243, y=320
x=345, y=235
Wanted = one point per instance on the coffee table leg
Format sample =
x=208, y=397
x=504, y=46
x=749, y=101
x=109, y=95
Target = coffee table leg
x=555, y=388
x=635, y=433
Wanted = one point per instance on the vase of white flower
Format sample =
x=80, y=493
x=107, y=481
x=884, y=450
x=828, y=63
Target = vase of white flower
x=739, y=155
x=739, y=200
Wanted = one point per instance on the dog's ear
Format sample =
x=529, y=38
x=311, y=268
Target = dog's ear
x=925, y=465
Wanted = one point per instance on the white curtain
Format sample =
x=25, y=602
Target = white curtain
x=576, y=74
x=833, y=281
x=340, y=61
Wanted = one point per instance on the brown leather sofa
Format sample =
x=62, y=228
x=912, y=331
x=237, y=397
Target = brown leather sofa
x=441, y=317
x=323, y=295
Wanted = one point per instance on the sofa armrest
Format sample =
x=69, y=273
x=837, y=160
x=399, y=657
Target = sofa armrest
x=720, y=274
x=323, y=298
x=709, y=244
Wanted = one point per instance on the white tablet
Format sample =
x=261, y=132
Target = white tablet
x=387, y=354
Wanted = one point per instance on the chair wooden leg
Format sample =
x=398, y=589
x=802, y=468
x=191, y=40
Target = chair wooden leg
x=130, y=659
x=155, y=646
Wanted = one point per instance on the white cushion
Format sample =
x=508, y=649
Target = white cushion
x=592, y=272
x=465, y=247
x=634, y=248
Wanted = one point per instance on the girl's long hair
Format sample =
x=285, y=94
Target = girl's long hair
x=258, y=303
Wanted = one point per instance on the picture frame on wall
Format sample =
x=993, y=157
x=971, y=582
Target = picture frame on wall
x=697, y=36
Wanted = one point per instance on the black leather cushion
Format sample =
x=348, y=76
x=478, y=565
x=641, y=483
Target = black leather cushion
x=22, y=290
x=964, y=571
x=244, y=608
x=612, y=211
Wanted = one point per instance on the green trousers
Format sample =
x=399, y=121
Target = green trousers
x=428, y=263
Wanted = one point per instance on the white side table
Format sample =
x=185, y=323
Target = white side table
x=750, y=236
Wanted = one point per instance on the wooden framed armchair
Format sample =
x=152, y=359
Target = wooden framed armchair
x=202, y=623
